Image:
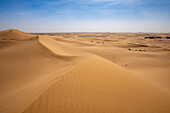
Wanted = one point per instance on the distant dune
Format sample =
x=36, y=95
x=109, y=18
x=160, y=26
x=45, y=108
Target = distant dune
x=83, y=73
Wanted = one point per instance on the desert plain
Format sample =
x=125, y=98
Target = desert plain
x=84, y=72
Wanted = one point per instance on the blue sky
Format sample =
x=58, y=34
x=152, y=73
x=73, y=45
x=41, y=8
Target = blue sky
x=85, y=15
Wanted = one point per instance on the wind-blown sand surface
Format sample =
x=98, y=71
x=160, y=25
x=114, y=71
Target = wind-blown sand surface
x=83, y=73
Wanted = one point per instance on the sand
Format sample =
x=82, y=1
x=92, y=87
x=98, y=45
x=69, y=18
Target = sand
x=83, y=73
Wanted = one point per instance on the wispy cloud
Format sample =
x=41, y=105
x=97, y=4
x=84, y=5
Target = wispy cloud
x=110, y=2
x=86, y=15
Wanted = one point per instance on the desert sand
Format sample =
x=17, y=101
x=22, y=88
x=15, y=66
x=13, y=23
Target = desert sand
x=84, y=73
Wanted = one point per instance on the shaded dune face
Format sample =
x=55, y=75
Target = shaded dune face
x=49, y=74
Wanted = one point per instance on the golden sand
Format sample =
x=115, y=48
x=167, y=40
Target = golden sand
x=83, y=73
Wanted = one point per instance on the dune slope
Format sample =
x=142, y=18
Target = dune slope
x=13, y=34
x=27, y=68
x=99, y=86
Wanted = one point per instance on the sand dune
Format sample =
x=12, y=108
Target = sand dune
x=13, y=34
x=26, y=69
x=54, y=74
x=99, y=86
